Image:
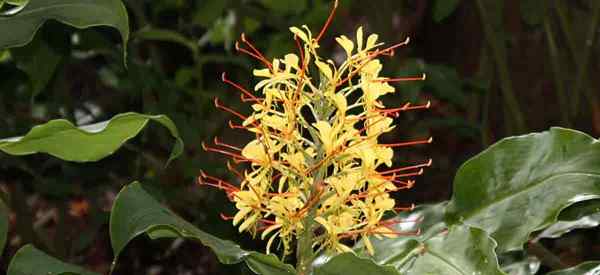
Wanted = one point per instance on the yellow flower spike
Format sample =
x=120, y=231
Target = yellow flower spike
x=315, y=171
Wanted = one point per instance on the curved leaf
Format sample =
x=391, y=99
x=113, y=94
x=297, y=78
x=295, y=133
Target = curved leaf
x=520, y=184
x=438, y=249
x=60, y=138
x=32, y=261
x=579, y=210
x=562, y=227
x=587, y=268
x=3, y=225
x=23, y=25
x=350, y=264
x=135, y=212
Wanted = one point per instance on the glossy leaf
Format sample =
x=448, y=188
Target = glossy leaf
x=350, y=264
x=60, y=138
x=562, y=227
x=32, y=261
x=587, y=268
x=135, y=212
x=444, y=8
x=580, y=210
x=3, y=225
x=438, y=249
x=520, y=184
x=519, y=263
x=23, y=25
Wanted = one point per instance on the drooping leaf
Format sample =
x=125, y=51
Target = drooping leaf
x=437, y=249
x=444, y=8
x=520, y=184
x=3, y=225
x=32, y=261
x=39, y=61
x=23, y=25
x=587, y=268
x=60, y=138
x=167, y=36
x=135, y=212
x=579, y=210
x=350, y=264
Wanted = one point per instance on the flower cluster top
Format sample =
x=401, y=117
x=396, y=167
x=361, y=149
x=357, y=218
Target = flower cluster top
x=316, y=153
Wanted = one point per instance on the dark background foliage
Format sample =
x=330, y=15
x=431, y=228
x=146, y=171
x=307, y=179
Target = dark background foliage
x=494, y=69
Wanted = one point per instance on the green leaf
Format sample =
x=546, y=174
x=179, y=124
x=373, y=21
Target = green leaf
x=532, y=11
x=167, y=36
x=39, y=61
x=135, y=212
x=579, y=210
x=350, y=264
x=587, y=268
x=562, y=227
x=77, y=13
x=438, y=249
x=60, y=138
x=519, y=263
x=3, y=225
x=444, y=8
x=32, y=261
x=520, y=184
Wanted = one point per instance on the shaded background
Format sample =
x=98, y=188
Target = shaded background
x=494, y=69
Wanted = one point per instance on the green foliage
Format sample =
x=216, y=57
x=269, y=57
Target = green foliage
x=3, y=225
x=135, y=212
x=587, y=268
x=32, y=261
x=444, y=8
x=526, y=180
x=62, y=139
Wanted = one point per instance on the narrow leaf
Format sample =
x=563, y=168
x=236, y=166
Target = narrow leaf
x=60, y=138
x=23, y=25
x=520, y=184
x=31, y=261
x=135, y=212
x=587, y=268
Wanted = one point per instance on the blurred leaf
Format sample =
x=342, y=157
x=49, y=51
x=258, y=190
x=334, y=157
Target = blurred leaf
x=520, y=184
x=532, y=11
x=167, y=36
x=284, y=7
x=3, y=225
x=32, y=261
x=519, y=263
x=444, y=8
x=587, y=268
x=39, y=61
x=209, y=11
x=60, y=138
x=350, y=264
x=135, y=212
x=77, y=13
x=445, y=83
x=437, y=250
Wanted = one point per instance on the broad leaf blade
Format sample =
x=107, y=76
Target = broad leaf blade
x=350, y=264
x=438, y=249
x=77, y=13
x=587, y=268
x=31, y=261
x=135, y=212
x=60, y=138
x=520, y=184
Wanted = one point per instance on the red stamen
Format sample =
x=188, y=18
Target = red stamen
x=257, y=57
x=427, y=164
x=401, y=79
x=328, y=22
x=237, y=86
x=402, y=209
x=409, y=143
x=225, y=217
x=229, y=110
x=256, y=51
x=227, y=153
x=407, y=107
x=219, y=143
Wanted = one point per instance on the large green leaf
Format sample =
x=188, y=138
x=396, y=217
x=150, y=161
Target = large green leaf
x=3, y=225
x=77, y=13
x=350, y=264
x=62, y=139
x=438, y=249
x=135, y=212
x=587, y=268
x=520, y=184
x=32, y=261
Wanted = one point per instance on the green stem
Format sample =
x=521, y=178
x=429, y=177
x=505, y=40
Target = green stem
x=499, y=53
x=559, y=84
x=304, y=250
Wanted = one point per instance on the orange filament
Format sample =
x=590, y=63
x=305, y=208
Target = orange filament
x=328, y=22
x=409, y=143
x=238, y=86
x=401, y=79
x=256, y=51
x=427, y=164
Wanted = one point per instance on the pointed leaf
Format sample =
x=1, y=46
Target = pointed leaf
x=135, y=212
x=32, y=261
x=587, y=268
x=60, y=138
x=437, y=250
x=520, y=184
x=23, y=25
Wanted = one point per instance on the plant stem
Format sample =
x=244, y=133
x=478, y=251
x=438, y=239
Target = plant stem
x=499, y=53
x=304, y=250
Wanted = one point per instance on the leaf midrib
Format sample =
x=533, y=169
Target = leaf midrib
x=27, y=13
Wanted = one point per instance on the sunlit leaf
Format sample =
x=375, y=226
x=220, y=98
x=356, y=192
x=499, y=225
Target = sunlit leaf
x=587, y=268
x=135, y=212
x=23, y=25
x=32, y=261
x=520, y=184
x=60, y=138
